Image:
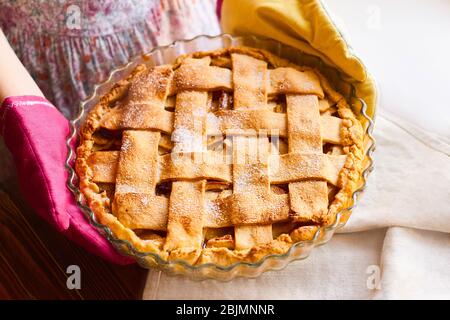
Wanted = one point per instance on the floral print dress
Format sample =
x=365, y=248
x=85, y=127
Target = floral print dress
x=68, y=46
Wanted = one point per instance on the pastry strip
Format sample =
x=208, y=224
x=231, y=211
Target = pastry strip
x=309, y=199
x=136, y=179
x=283, y=169
x=291, y=81
x=186, y=209
x=251, y=186
x=237, y=121
x=144, y=106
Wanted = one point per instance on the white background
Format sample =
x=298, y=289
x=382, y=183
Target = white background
x=406, y=46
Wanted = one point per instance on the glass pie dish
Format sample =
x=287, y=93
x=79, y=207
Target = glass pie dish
x=167, y=54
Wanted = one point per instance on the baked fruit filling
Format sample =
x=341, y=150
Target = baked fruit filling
x=223, y=156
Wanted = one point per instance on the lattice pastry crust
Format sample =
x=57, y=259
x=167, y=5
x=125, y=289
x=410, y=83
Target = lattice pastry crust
x=223, y=156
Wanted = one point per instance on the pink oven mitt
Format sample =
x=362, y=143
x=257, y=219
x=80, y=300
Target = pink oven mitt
x=35, y=133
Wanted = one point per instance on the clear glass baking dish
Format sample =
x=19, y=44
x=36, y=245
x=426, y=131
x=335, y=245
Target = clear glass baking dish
x=167, y=54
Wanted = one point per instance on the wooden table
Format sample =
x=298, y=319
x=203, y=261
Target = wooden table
x=34, y=258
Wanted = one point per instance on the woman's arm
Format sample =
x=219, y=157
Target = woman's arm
x=14, y=78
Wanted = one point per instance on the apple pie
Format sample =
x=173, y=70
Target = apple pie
x=220, y=157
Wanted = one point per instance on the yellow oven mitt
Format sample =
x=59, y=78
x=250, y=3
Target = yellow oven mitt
x=303, y=24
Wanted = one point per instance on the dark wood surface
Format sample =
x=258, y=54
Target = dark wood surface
x=34, y=258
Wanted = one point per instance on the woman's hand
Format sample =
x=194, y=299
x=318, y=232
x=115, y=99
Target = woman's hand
x=35, y=132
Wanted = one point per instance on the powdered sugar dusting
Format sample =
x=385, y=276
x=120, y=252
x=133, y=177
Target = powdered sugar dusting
x=125, y=188
x=214, y=214
x=126, y=145
x=212, y=123
x=186, y=140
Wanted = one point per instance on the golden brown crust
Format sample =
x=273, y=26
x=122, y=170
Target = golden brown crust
x=220, y=250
